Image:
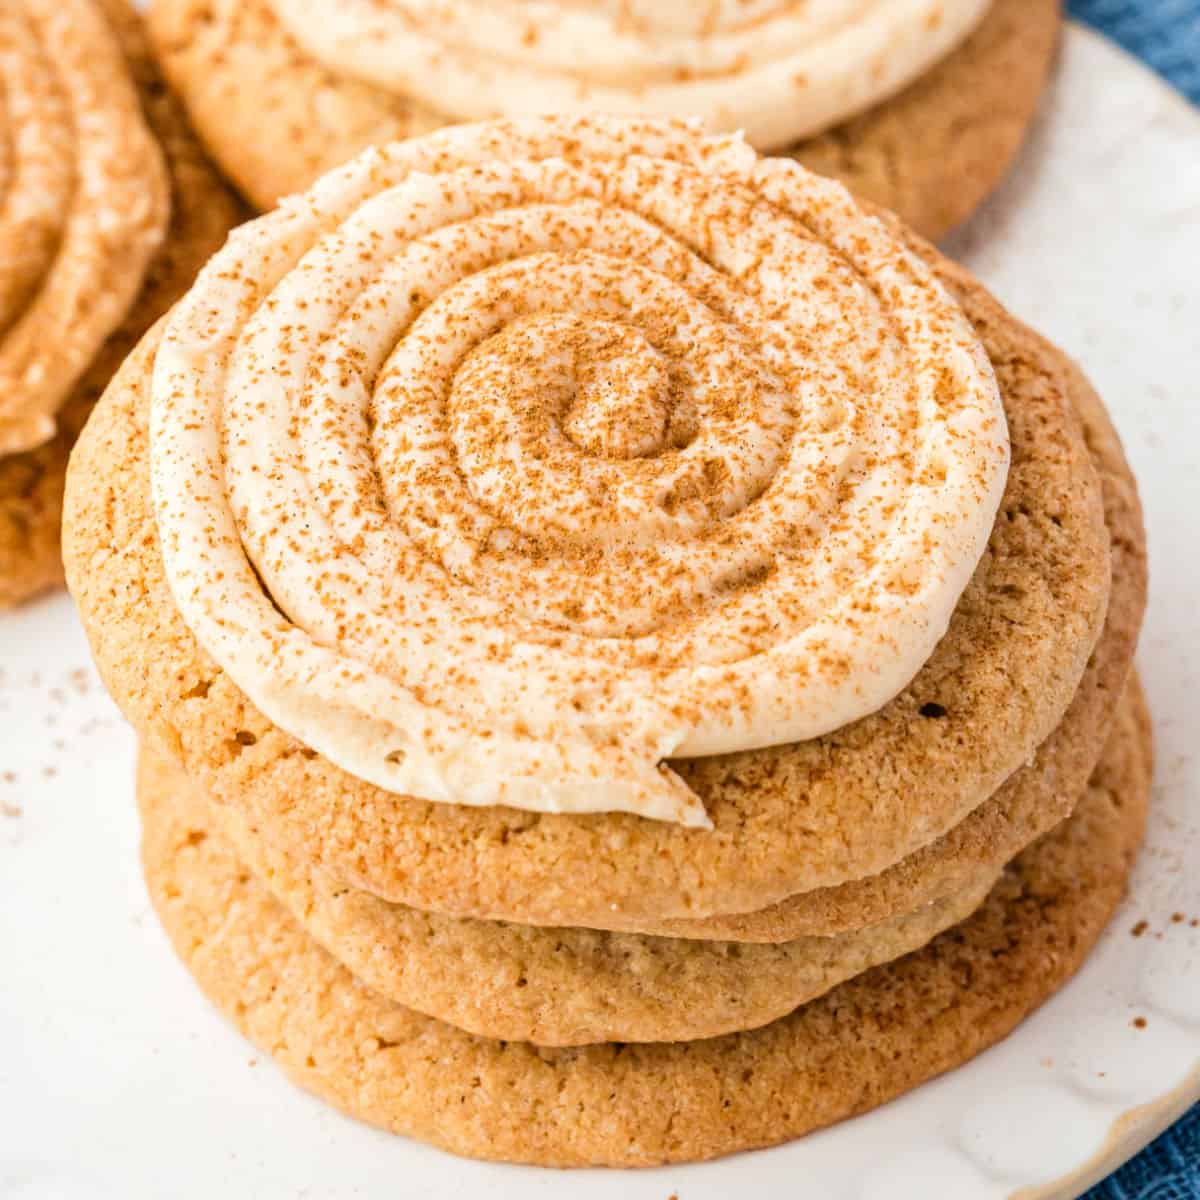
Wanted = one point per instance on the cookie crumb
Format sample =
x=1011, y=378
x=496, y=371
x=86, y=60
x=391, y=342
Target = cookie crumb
x=1139, y=1022
x=1140, y=928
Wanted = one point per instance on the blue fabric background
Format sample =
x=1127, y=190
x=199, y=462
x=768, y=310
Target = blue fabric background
x=1166, y=34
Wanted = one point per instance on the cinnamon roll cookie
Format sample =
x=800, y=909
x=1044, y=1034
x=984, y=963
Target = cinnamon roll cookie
x=590, y=523
x=585, y=585
x=864, y=1043
x=918, y=106
x=107, y=210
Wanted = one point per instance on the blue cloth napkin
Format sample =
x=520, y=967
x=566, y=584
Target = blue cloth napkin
x=1166, y=35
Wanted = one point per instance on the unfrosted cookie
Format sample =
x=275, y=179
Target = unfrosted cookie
x=202, y=212
x=864, y=1043
x=931, y=153
x=789, y=819
x=553, y=986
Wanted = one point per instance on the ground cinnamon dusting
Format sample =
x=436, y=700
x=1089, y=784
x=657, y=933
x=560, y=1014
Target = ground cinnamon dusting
x=627, y=441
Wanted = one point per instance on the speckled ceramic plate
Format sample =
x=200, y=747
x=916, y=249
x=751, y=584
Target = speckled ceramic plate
x=117, y=1079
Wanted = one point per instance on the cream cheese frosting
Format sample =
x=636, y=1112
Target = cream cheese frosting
x=510, y=462
x=779, y=70
x=84, y=203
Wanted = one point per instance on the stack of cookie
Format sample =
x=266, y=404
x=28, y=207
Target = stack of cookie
x=918, y=107
x=630, y=648
x=107, y=211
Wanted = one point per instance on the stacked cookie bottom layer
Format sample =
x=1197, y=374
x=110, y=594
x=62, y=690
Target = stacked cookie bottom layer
x=241, y=930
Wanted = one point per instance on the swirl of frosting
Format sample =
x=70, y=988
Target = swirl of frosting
x=83, y=205
x=511, y=461
x=779, y=70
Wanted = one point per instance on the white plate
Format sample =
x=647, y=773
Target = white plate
x=116, y=1078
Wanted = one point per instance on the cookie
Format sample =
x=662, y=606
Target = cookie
x=932, y=153
x=793, y=817
x=1034, y=798
x=866, y=1042
x=788, y=819
x=85, y=206
x=552, y=987
x=202, y=211
x=388, y=946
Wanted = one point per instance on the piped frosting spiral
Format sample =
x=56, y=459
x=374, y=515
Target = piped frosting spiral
x=510, y=462
x=83, y=205
x=779, y=70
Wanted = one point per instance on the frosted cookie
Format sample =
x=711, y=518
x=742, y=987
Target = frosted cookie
x=1035, y=797
x=525, y=988
x=740, y=467
x=864, y=1043
x=70, y=308
x=918, y=107
x=553, y=986
x=85, y=205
